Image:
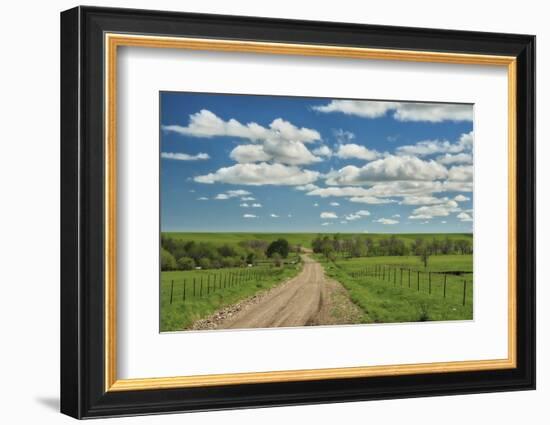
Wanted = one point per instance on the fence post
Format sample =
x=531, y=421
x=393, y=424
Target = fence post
x=172, y=291
x=445, y=285
x=383, y=272
x=464, y=294
x=430, y=282
x=194, y=288
x=394, y=275
x=201, y=287
x=208, y=285
x=418, y=280
x=184, y=289
x=409, y=278
x=401, y=276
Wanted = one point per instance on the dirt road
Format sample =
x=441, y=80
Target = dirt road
x=310, y=298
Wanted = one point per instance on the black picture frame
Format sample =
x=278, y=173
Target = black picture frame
x=82, y=212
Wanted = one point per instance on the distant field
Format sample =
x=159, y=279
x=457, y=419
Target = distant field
x=436, y=263
x=207, y=291
x=389, y=297
x=303, y=239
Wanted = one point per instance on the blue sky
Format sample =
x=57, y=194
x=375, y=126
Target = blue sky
x=292, y=164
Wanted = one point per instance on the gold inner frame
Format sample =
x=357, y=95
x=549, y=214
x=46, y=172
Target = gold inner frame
x=113, y=41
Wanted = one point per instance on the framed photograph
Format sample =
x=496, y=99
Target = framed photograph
x=261, y=212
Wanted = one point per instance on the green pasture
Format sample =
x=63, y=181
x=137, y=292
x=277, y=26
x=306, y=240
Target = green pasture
x=182, y=301
x=382, y=288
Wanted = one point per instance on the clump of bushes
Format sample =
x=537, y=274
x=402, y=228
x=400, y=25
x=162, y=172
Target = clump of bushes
x=191, y=254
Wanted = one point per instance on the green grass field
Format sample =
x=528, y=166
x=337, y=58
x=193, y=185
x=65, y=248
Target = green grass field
x=303, y=239
x=380, y=299
x=385, y=296
x=220, y=288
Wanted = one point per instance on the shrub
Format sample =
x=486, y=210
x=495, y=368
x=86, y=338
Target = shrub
x=227, y=262
x=205, y=263
x=167, y=260
x=277, y=259
x=251, y=258
x=186, y=263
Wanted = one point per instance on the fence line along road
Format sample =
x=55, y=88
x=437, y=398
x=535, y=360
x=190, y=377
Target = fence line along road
x=209, y=283
x=397, y=274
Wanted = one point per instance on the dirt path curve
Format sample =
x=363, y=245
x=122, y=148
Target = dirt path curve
x=310, y=298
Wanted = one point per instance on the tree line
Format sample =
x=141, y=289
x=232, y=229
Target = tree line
x=364, y=246
x=179, y=254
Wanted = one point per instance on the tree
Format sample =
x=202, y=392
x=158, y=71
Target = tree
x=251, y=258
x=326, y=247
x=358, y=248
x=186, y=263
x=227, y=251
x=277, y=259
x=447, y=246
x=464, y=246
x=280, y=246
x=316, y=244
x=418, y=246
x=167, y=260
x=424, y=256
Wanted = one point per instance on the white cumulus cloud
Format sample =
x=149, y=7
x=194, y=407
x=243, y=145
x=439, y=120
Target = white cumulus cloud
x=328, y=214
x=354, y=151
x=207, y=124
x=464, y=217
x=431, y=211
x=459, y=158
x=407, y=168
x=386, y=221
x=461, y=198
x=249, y=153
x=357, y=215
x=422, y=200
x=461, y=173
x=290, y=152
x=412, y=111
x=232, y=194
x=431, y=147
x=260, y=174
x=322, y=151
x=183, y=156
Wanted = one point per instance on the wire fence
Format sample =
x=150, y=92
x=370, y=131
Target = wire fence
x=203, y=284
x=445, y=284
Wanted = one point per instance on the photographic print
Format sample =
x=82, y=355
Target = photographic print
x=281, y=211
